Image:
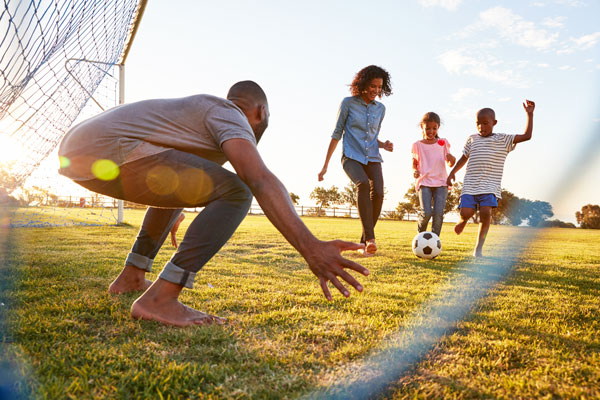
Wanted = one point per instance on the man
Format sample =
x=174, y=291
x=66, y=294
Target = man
x=168, y=154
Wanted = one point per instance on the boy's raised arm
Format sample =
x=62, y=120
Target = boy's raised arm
x=529, y=106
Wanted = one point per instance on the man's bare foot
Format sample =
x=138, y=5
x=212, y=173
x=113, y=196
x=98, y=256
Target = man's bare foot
x=477, y=253
x=170, y=311
x=131, y=279
x=459, y=227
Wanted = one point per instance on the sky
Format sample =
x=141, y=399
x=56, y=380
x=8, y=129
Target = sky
x=448, y=56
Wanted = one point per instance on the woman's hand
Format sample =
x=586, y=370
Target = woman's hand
x=322, y=173
x=389, y=146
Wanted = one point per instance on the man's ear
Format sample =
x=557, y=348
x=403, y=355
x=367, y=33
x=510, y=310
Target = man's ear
x=495, y=122
x=261, y=112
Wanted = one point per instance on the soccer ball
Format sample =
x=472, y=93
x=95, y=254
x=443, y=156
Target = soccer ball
x=427, y=245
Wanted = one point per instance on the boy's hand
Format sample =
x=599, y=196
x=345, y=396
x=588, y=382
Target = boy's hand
x=529, y=106
x=450, y=179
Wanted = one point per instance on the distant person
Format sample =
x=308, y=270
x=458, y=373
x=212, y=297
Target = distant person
x=168, y=154
x=484, y=155
x=429, y=156
x=358, y=124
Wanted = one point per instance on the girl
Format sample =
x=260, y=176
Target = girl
x=359, y=122
x=429, y=155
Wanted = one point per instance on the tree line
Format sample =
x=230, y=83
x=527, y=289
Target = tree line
x=511, y=210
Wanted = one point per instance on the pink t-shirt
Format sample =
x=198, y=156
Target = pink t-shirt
x=431, y=160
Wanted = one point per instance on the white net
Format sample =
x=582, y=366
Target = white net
x=58, y=64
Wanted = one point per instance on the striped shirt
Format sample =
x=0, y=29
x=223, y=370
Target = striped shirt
x=485, y=165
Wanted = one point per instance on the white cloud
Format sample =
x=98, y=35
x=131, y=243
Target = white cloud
x=514, y=28
x=566, y=68
x=543, y=65
x=569, y=3
x=556, y=22
x=463, y=93
x=586, y=41
x=504, y=99
x=490, y=68
x=447, y=4
x=581, y=43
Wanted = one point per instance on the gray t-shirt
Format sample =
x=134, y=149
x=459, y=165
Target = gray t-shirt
x=195, y=124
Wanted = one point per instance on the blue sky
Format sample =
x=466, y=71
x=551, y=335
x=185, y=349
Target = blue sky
x=448, y=56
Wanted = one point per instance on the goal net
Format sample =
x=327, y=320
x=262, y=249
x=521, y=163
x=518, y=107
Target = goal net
x=60, y=63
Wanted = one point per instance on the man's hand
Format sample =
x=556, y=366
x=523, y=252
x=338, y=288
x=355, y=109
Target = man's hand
x=322, y=174
x=529, y=106
x=175, y=228
x=326, y=262
x=416, y=173
x=389, y=146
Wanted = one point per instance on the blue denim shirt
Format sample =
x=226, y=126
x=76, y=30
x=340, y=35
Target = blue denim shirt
x=359, y=124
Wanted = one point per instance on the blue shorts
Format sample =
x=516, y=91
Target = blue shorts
x=483, y=200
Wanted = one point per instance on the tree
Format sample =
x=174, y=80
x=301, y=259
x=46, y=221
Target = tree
x=589, y=217
x=453, y=199
x=536, y=212
x=556, y=223
x=508, y=210
x=326, y=197
x=413, y=197
x=7, y=179
x=349, y=195
x=294, y=197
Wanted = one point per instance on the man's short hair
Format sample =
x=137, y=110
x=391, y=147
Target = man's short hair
x=249, y=90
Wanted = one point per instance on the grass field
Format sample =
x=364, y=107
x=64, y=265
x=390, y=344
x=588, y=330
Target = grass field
x=535, y=334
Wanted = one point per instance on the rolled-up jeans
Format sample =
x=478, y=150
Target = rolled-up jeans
x=368, y=179
x=168, y=182
x=433, y=202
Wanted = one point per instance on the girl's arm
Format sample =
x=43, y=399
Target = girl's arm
x=450, y=159
x=415, y=167
x=330, y=150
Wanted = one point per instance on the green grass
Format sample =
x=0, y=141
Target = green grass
x=535, y=335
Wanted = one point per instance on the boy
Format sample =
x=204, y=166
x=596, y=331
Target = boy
x=485, y=155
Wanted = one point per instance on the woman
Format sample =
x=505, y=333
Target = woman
x=359, y=122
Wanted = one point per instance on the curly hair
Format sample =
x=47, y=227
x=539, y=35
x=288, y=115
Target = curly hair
x=366, y=75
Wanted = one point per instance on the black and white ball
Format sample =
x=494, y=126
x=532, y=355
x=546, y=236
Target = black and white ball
x=427, y=245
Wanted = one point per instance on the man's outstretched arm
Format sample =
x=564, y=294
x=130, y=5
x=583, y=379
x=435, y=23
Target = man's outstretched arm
x=323, y=258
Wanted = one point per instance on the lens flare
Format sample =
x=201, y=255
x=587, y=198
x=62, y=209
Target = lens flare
x=162, y=180
x=196, y=188
x=64, y=161
x=105, y=170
